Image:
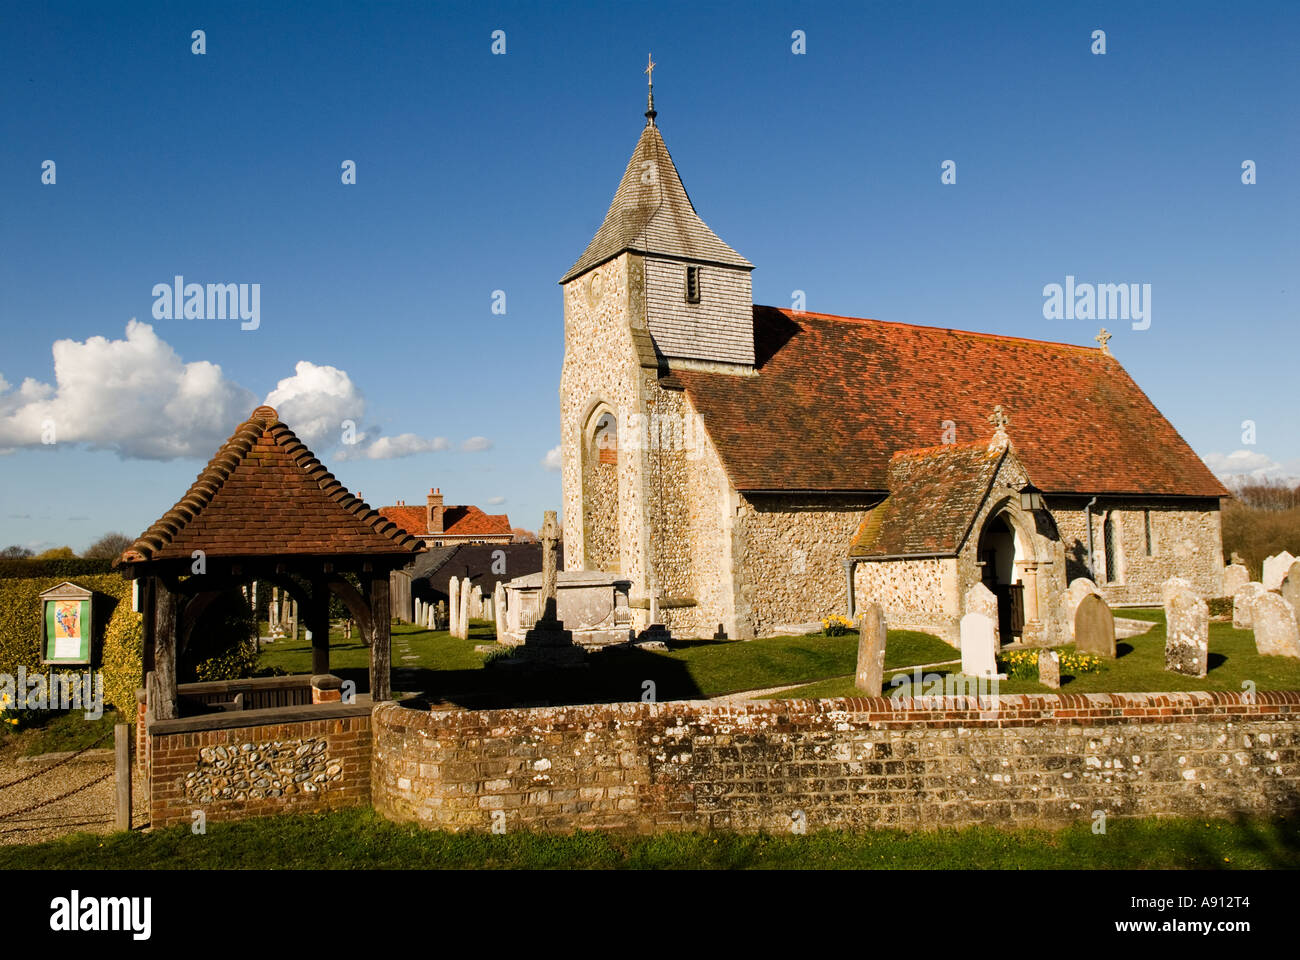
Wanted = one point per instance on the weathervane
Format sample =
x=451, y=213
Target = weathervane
x=650, y=112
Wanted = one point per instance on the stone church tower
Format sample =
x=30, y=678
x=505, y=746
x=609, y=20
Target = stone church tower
x=655, y=291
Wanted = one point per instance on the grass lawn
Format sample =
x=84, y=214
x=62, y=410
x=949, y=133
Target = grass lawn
x=361, y=839
x=1138, y=667
x=444, y=668
x=54, y=732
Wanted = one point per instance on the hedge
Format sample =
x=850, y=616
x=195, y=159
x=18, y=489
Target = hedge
x=65, y=568
x=120, y=656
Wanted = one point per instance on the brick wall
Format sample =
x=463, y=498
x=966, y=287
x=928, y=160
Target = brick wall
x=310, y=764
x=851, y=764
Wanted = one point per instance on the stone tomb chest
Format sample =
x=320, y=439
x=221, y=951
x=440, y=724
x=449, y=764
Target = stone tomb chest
x=592, y=604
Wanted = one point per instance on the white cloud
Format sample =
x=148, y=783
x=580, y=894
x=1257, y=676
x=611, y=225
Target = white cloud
x=134, y=396
x=1246, y=464
x=496, y=501
x=392, y=448
x=475, y=444
x=315, y=401
x=552, y=459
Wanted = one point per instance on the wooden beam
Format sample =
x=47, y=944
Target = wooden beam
x=380, y=656
x=164, y=651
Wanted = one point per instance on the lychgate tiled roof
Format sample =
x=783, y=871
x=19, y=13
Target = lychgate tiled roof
x=265, y=494
x=651, y=213
x=934, y=495
x=835, y=397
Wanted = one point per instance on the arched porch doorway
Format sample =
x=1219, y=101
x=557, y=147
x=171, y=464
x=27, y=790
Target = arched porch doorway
x=1008, y=568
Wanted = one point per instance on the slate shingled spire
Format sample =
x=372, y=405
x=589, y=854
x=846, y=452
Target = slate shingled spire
x=651, y=213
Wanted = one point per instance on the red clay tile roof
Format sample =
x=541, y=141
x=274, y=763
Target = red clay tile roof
x=934, y=495
x=265, y=494
x=471, y=521
x=410, y=519
x=835, y=397
x=457, y=521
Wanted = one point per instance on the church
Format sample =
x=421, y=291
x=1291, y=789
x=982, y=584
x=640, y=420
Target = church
x=748, y=469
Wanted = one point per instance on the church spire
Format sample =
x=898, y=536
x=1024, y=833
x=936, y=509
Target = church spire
x=650, y=112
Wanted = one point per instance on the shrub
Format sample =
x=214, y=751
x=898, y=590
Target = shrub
x=1220, y=607
x=118, y=647
x=66, y=568
x=221, y=645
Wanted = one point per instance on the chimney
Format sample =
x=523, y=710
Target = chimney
x=433, y=514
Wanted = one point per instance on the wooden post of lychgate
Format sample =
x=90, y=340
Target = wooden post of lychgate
x=122, y=751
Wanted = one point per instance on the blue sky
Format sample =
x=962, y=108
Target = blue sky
x=479, y=172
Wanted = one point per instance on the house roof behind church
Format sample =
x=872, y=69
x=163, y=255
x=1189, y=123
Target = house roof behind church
x=934, y=495
x=836, y=397
x=651, y=213
x=265, y=494
x=457, y=521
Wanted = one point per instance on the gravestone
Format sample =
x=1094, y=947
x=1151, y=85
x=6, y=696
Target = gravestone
x=548, y=640
x=1094, y=627
x=1187, y=634
x=1235, y=576
x=1243, y=605
x=1276, y=632
x=453, y=599
x=441, y=616
x=499, y=609
x=431, y=621
x=980, y=599
x=977, y=646
x=1049, y=669
x=1173, y=584
x=871, y=650
x=462, y=626
x=1079, y=588
x=1275, y=570
x=1290, y=588
x=476, y=602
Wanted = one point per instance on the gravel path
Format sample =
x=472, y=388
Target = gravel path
x=89, y=810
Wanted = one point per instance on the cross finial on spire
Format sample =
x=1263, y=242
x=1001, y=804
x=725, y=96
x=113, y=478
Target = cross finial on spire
x=1103, y=338
x=650, y=112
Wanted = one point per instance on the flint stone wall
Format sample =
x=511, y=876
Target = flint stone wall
x=850, y=763
x=1185, y=542
x=308, y=764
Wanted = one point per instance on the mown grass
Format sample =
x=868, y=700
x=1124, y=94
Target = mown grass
x=54, y=732
x=446, y=668
x=363, y=840
x=1139, y=666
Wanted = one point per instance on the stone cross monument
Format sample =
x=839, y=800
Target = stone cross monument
x=548, y=641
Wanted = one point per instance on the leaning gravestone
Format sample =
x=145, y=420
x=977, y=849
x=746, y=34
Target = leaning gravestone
x=1243, y=605
x=1079, y=588
x=977, y=645
x=1235, y=576
x=980, y=599
x=1275, y=569
x=1290, y=588
x=1049, y=669
x=453, y=598
x=871, y=651
x=1187, y=634
x=1094, y=627
x=1276, y=632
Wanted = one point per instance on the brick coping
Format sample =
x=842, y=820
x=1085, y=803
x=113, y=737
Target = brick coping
x=1013, y=707
x=265, y=717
